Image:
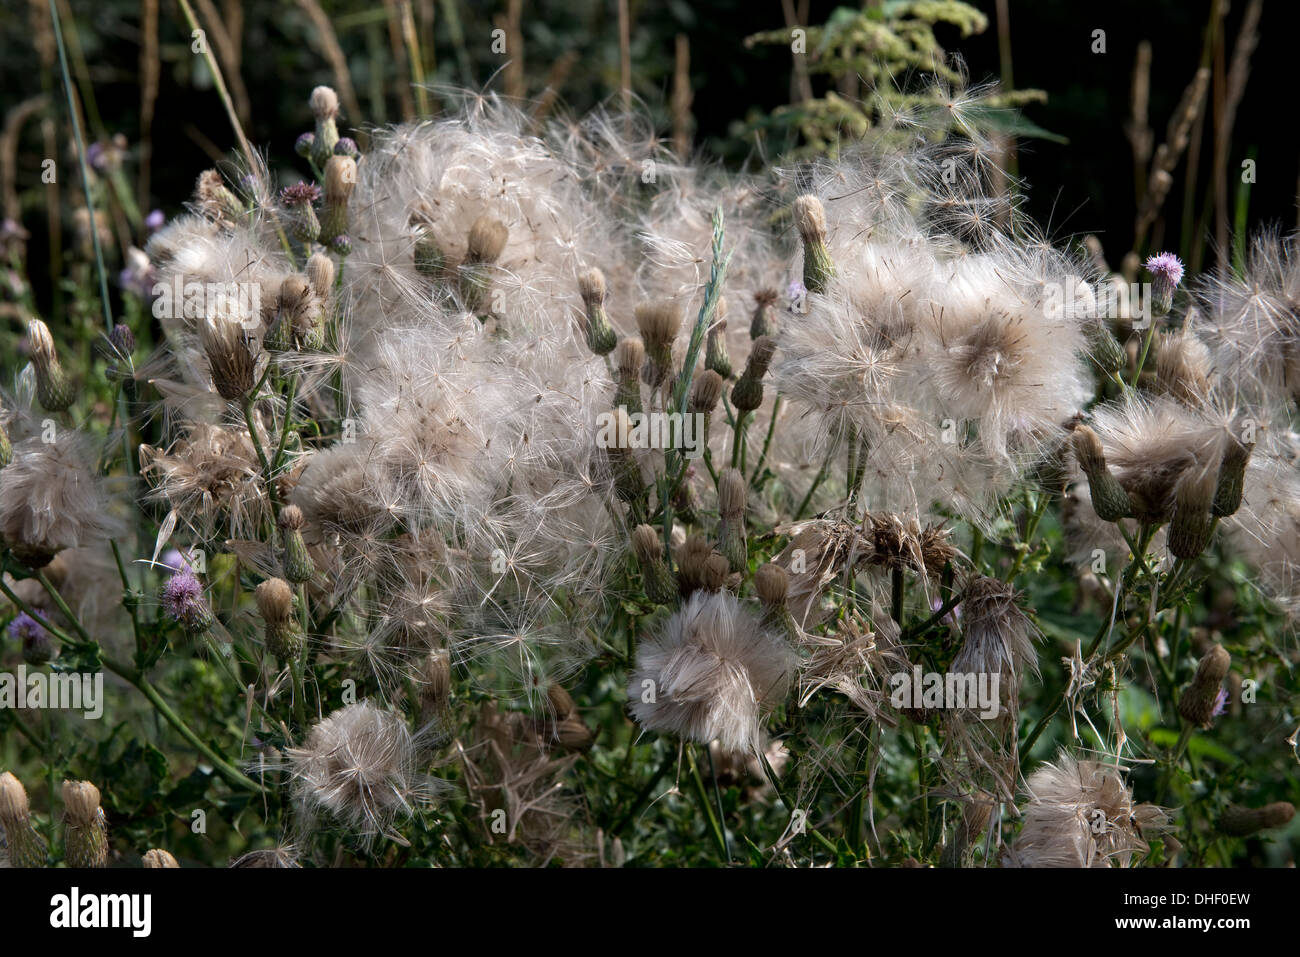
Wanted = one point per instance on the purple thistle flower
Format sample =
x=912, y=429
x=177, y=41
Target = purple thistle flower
x=347, y=146
x=1166, y=273
x=1166, y=267
x=300, y=194
x=34, y=638
x=304, y=144
x=24, y=627
x=184, y=602
x=155, y=221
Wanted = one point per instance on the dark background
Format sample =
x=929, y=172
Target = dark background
x=1085, y=186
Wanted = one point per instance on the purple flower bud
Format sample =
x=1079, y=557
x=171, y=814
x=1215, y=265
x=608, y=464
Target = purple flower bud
x=1220, y=703
x=123, y=339
x=341, y=244
x=347, y=146
x=155, y=221
x=304, y=144
x=183, y=600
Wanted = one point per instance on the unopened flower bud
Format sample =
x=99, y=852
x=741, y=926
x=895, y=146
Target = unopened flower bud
x=122, y=340
x=1104, y=348
x=215, y=200
x=560, y=701
x=572, y=734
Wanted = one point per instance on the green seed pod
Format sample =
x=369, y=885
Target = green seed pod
x=1109, y=499
x=601, y=338
x=1104, y=348
x=325, y=107
x=298, y=566
x=54, y=390
x=1232, y=478
x=747, y=395
x=1244, y=821
x=340, y=180
x=658, y=323
x=629, y=356
x=158, y=858
x=430, y=260
x=487, y=241
x=275, y=604
x=660, y=586
x=764, y=321
x=731, y=521
x=26, y=846
x=715, y=348
x=1191, y=525
x=772, y=583
x=1198, y=700
x=810, y=220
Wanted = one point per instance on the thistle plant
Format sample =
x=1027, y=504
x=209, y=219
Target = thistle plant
x=419, y=538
